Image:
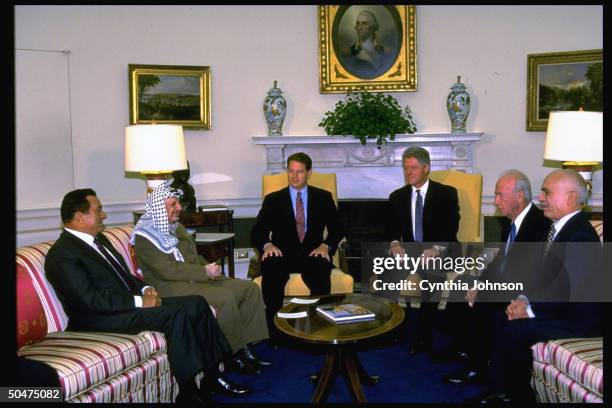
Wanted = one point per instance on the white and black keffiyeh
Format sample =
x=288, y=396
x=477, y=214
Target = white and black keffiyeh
x=153, y=225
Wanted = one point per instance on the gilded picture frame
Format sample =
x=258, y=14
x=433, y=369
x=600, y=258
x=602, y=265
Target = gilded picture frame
x=370, y=48
x=563, y=81
x=170, y=94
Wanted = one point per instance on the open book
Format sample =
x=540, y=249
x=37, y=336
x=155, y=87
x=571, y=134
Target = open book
x=345, y=313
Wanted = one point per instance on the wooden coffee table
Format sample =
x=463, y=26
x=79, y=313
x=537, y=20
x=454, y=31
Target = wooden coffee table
x=341, y=339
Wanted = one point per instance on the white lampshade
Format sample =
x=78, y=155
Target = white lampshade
x=154, y=149
x=574, y=136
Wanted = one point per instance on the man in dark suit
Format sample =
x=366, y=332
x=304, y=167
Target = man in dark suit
x=289, y=235
x=544, y=312
x=99, y=294
x=484, y=313
x=423, y=211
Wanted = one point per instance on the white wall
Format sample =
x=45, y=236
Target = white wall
x=248, y=47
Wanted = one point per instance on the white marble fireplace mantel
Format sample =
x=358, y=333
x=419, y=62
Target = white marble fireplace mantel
x=366, y=172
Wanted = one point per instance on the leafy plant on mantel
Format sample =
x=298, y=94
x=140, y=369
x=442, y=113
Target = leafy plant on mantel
x=367, y=115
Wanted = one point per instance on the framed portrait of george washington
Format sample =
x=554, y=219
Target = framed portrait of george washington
x=170, y=94
x=369, y=47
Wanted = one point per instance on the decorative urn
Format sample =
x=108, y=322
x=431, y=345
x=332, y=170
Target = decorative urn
x=458, y=106
x=275, y=108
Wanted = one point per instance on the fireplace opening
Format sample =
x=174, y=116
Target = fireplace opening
x=365, y=221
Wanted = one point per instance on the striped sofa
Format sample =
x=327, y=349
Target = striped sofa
x=569, y=370
x=92, y=367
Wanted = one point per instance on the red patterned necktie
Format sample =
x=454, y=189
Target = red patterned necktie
x=299, y=217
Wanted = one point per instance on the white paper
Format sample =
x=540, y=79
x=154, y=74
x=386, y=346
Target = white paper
x=301, y=301
x=295, y=315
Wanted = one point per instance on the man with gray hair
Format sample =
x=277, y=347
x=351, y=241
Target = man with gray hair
x=422, y=211
x=527, y=224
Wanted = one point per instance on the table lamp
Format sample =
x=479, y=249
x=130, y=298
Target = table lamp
x=154, y=151
x=576, y=139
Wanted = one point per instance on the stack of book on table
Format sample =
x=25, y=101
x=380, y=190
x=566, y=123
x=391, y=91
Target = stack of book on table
x=345, y=313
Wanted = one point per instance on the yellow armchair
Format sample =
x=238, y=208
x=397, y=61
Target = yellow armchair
x=469, y=190
x=340, y=282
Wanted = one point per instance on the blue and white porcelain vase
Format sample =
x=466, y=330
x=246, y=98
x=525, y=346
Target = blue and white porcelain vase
x=458, y=106
x=275, y=108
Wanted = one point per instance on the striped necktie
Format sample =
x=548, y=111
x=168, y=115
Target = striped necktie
x=299, y=217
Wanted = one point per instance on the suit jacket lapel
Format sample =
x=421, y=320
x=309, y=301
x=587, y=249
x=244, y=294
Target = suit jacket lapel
x=569, y=225
x=289, y=209
x=428, y=203
x=308, y=211
x=410, y=236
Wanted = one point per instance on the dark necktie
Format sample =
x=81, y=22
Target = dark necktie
x=511, y=238
x=549, y=238
x=121, y=272
x=418, y=217
x=299, y=217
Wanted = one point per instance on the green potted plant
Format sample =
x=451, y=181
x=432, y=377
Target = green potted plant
x=367, y=115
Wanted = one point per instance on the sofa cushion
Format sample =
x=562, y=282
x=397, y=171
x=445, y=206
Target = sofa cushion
x=580, y=359
x=31, y=260
x=85, y=359
x=150, y=381
x=31, y=319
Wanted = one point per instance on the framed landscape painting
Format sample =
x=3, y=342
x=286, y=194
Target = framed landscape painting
x=563, y=81
x=368, y=47
x=168, y=94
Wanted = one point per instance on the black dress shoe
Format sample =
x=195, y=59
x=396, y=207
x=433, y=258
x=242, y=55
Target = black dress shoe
x=464, y=377
x=225, y=386
x=248, y=355
x=242, y=366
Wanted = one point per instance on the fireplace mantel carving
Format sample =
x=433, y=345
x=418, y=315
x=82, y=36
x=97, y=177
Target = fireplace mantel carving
x=366, y=171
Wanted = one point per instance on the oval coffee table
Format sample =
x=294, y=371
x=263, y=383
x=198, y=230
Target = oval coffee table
x=341, y=339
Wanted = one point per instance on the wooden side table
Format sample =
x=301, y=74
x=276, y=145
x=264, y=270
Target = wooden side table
x=212, y=248
x=216, y=245
x=341, y=340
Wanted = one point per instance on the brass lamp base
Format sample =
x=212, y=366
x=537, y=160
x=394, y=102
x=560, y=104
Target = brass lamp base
x=584, y=168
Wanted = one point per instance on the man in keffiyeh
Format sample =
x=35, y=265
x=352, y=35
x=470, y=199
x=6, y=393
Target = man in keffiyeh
x=168, y=258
